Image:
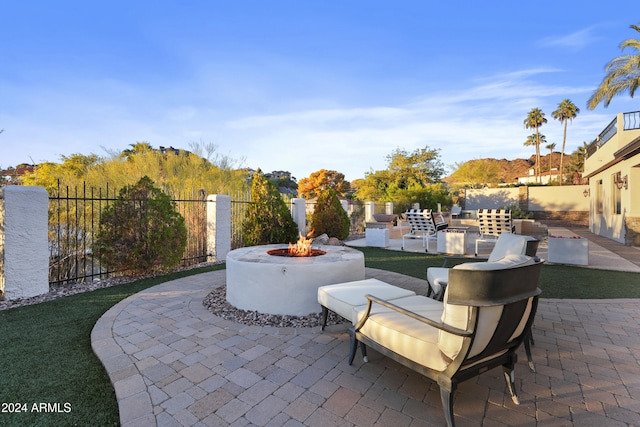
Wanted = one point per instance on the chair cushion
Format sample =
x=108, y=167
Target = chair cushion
x=406, y=336
x=508, y=261
x=341, y=298
x=488, y=317
x=509, y=244
x=437, y=277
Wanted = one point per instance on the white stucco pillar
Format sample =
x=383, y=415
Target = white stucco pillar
x=388, y=208
x=24, y=245
x=218, y=227
x=369, y=210
x=299, y=214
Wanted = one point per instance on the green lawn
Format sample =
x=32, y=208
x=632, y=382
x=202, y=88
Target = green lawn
x=46, y=356
x=556, y=281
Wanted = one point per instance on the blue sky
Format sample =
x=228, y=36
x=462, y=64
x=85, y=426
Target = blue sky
x=302, y=85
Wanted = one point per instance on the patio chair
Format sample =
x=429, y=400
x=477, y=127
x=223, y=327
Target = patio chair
x=487, y=313
x=421, y=226
x=492, y=223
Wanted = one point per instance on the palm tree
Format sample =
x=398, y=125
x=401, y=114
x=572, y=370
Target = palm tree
x=535, y=119
x=550, y=147
x=623, y=75
x=567, y=111
x=534, y=140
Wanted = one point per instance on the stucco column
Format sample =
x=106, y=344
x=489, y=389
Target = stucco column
x=218, y=227
x=299, y=214
x=24, y=246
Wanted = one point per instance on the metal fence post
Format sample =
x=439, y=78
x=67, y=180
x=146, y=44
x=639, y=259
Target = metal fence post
x=218, y=227
x=24, y=251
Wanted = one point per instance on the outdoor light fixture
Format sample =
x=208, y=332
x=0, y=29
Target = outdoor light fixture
x=586, y=192
x=621, y=182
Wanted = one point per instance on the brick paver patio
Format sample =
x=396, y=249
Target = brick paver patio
x=174, y=363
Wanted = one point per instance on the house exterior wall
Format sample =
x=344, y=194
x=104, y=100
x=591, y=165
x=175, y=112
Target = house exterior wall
x=615, y=212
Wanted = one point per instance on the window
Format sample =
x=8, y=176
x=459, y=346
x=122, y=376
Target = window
x=616, y=193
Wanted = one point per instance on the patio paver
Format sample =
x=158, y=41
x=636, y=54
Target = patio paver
x=174, y=363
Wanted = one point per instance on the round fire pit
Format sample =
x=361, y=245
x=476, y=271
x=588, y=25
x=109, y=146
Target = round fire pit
x=287, y=285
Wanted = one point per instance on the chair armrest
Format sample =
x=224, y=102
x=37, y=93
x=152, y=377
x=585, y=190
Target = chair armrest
x=461, y=257
x=438, y=325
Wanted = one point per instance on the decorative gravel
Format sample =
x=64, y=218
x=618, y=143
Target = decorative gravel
x=65, y=290
x=216, y=303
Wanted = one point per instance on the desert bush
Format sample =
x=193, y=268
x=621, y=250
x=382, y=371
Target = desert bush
x=267, y=220
x=517, y=213
x=329, y=216
x=140, y=232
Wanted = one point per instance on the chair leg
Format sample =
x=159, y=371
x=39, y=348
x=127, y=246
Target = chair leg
x=353, y=345
x=528, y=341
x=509, y=376
x=325, y=315
x=446, y=396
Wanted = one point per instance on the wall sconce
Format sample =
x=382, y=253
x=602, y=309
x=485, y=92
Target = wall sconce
x=586, y=192
x=622, y=182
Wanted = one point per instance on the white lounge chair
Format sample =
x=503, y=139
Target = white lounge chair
x=492, y=223
x=421, y=226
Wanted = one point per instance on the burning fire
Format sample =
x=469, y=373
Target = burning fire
x=302, y=247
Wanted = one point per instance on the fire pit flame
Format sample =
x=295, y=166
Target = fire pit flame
x=302, y=247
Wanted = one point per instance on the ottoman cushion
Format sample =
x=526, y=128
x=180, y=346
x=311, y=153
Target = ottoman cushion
x=342, y=298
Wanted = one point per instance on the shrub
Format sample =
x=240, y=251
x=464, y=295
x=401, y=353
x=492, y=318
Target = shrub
x=268, y=220
x=517, y=213
x=141, y=232
x=329, y=216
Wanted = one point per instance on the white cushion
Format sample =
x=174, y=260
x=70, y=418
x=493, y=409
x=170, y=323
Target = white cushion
x=488, y=317
x=437, y=277
x=509, y=244
x=341, y=298
x=508, y=261
x=458, y=316
x=408, y=337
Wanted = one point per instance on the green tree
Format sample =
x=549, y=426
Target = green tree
x=534, y=120
x=550, y=147
x=268, y=220
x=576, y=162
x=141, y=232
x=321, y=180
x=567, y=111
x=409, y=175
x=623, y=75
x=182, y=174
x=329, y=216
x=420, y=167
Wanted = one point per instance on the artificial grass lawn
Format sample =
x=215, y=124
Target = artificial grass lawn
x=556, y=281
x=46, y=355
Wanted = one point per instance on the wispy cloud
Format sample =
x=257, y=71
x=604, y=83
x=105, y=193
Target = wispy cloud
x=577, y=40
x=485, y=120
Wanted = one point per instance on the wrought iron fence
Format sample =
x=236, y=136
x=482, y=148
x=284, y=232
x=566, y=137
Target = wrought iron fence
x=74, y=218
x=238, y=215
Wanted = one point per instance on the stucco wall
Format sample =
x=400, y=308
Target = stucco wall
x=567, y=198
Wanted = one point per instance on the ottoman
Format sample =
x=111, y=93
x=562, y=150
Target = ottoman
x=346, y=299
